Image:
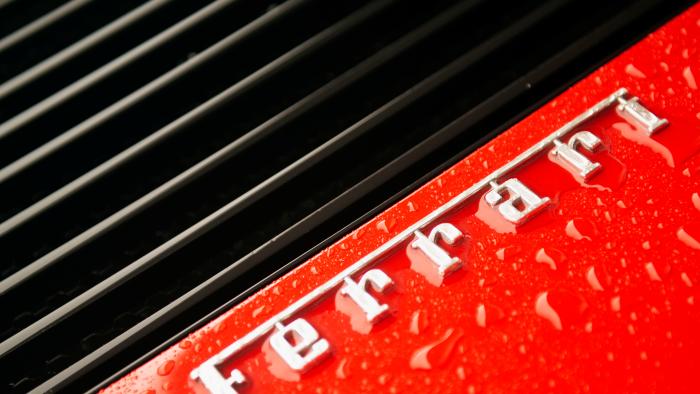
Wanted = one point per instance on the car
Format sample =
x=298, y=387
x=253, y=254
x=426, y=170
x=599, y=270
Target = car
x=224, y=196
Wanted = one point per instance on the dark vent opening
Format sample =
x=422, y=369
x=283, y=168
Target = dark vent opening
x=45, y=42
x=126, y=31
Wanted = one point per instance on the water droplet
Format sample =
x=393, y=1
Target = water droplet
x=357, y=234
x=593, y=279
x=460, y=373
x=690, y=78
x=185, y=344
x=550, y=257
x=508, y=253
x=696, y=200
x=634, y=71
x=687, y=239
x=481, y=315
x=633, y=134
x=488, y=278
x=545, y=311
x=522, y=349
x=493, y=313
x=437, y=353
x=386, y=225
x=646, y=245
x=686, y=279
x=342, y=371
x=258, y=310
x=651, y=271
x=220, y=327
x=615, y=303
x=579, y=229
x=165, y=368
x=411, y=207
x=419, y=322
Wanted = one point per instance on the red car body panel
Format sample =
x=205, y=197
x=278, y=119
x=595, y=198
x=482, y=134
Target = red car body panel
x=596, y=293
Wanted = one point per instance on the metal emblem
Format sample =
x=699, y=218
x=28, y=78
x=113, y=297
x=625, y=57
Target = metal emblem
x=445, y=263
x=634, y=112
x=520, y=204
x=379, y=281
x=300, y=345
x=571, y=159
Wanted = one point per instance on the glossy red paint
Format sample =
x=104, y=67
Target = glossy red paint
x=597, y=293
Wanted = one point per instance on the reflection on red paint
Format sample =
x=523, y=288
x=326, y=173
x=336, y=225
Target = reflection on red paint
x=675, y=149
x=435, y=354
x=690, y=236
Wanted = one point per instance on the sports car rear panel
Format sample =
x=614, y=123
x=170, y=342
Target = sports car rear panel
x=163, y=160
x=591, y=290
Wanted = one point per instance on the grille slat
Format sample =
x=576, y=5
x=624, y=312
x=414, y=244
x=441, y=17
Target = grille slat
x=109, y=130
x=233, y=170
x=219, y=157
x=41, y=23
x=52, y=39
x=201, y=227
x=432, y=26
x=241, y=143
x=105, y=115
x=24, y=120
x=17, y=14
x=70, y=53
x=3, y=3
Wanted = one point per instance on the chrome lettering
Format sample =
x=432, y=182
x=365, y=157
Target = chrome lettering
x=520, y=204
x=637, y=114
x=568, y=156
x=445, y=263
x=374, y=311
x=298, y=344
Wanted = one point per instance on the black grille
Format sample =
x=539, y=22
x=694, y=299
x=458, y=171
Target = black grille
x=162, y=159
